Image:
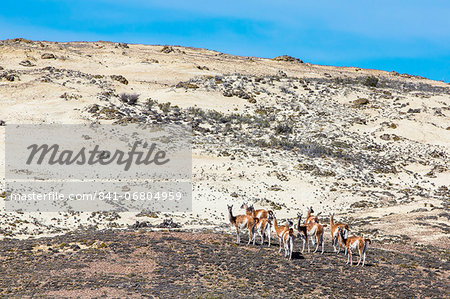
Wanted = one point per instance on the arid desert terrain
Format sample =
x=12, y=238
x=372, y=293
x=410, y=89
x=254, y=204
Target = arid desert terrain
x=279, y=133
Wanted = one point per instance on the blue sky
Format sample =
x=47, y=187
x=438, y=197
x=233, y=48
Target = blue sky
x=406, y=36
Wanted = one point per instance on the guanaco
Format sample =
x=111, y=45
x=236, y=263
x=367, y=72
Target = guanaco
x=336, y=239
x=263, y=227
x=302, y=231
x=261, y=213
x=285, y=236
x=313, y=230
x=354, y=243
x=310, y=218
x=240, y=222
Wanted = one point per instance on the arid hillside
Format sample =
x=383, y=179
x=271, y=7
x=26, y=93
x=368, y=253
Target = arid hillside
x=371, y=146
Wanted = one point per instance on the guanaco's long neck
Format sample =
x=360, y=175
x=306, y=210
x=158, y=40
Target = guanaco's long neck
x=275, y=224
x=299, y=223
x=231, y=217
x=331, y=221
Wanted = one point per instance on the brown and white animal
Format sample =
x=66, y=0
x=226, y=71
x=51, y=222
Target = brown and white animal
x=310, y=218
x=264, y=228
x=241, y=222
x=336, y=239
x=352, y=243
x=311, y=231
x=285, y=236
x=261, y=213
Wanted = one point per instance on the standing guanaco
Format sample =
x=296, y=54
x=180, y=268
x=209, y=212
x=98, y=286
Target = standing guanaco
x=261, y=213
x=354, y=243
x=336, y=239
x=285, y=236
x=310, y=218
x=313, y=230
x=240, y=222
x=263, y=227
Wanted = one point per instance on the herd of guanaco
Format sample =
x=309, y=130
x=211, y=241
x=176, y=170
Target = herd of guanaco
x=261, y=221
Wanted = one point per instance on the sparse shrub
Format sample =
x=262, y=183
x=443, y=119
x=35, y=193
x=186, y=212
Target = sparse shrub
x=319, y=172
x=287, y=58
x=360, y=102
x=187, y=85
x=304, y=166
x=149, y=103
x=370, y=81
x=340, y=144
x=283, y=129
x=167, y=49
x=120, y=78
x=165, y=107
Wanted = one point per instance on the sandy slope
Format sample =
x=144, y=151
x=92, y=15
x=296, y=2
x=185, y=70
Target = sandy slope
x=82, y=72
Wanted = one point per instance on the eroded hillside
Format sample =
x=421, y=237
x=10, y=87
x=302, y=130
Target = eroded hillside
x=371, y=146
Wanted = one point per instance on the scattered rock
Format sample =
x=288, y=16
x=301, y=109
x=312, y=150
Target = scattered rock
x=281, y=74
x=123, y=45
x=362, y=204
x=26, y=63
x=167, y=49
x=150, y=61
x=75, y=247
x=9, y=77
x=141, y=224
x=169, y=223
x=68, y=96
x=48, y=56
x=130, y=99
x=385, y=137
x=93, y=108
x=2, y=123
x=360, y=102
x=275, y=188
x=46, y=79
x=388, y=137
x=411, y=110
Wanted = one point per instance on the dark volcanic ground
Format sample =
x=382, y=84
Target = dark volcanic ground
x=203, y=265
